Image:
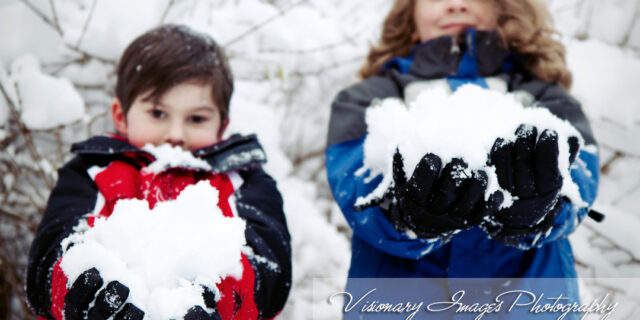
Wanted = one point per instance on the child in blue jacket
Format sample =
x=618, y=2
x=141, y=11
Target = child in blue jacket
x=494, y=44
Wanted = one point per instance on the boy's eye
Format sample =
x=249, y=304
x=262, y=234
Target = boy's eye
x=158, y=114
x=197, y=119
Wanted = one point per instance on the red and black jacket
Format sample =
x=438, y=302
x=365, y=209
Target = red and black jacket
x=82, y=195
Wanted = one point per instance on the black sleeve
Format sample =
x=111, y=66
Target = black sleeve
x=347, y=120
x=73, y=196
x=259, y=202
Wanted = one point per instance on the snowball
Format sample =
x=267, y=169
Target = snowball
x=162, y=254
x=462, y=125
x=46, y=102
x=171, y=157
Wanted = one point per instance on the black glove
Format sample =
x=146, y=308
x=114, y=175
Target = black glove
x=434, y=204
x=198, y=313
x=528, y=169
x=107, y=302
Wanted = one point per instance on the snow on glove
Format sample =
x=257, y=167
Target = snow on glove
x=198, y=313
x=106, y=302
x=528, y=169
x=434, y=204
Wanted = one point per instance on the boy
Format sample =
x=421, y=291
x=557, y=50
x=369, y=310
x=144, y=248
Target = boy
x=174, y=86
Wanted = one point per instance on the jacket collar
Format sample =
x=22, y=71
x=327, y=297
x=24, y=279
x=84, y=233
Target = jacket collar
x=441, y=57
x=234, y=153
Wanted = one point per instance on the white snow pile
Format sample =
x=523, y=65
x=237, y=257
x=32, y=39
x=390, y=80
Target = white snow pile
x=168, y=156
x=464, y=125
x=163, y=254
x=45, y=101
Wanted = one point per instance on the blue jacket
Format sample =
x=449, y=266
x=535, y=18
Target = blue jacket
x=378, y=249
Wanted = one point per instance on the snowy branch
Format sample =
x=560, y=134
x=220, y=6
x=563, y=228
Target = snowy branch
x=262, y=24
x=86, y=24
x=53, y=23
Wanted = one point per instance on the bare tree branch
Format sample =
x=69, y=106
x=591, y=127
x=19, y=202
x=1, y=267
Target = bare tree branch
x=615, y=245
x=54, y=15
x=326, y=68
x=166, y=11
x=44, y=17
x=27, y=136
x=327, y=47
x=86, y=24
x=262, y=24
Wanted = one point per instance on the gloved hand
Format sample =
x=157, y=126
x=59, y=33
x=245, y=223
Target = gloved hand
x=199, y=313
x=107, y=302
x=434, y=204
x=528, y=169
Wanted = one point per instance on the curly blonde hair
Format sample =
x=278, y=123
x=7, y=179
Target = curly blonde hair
x=525, y=26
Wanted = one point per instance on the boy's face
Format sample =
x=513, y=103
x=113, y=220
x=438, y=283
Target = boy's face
x=435, y=18
x=184, y=116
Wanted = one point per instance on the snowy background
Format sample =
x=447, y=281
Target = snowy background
x=289, y=58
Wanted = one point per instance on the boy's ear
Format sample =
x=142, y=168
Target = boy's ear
x=223, y=128
x=119, y=118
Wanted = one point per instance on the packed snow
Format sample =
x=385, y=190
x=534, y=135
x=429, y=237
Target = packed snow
x=163, y=254
x=167, y=156
x=463, y=125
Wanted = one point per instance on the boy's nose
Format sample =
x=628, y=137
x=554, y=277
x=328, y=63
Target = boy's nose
x=457, y=6
x=175, y=135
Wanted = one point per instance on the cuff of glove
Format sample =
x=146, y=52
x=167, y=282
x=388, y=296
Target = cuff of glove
x=422, y=224
x=515, y=235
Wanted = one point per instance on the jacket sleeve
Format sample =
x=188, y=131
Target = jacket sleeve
x=259, y=202
x=73, y=196
x=344, y=156
x=584, y=171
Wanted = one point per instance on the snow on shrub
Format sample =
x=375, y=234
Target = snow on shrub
x=46, y=102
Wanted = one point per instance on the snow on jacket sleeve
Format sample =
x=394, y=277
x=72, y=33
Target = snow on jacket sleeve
x=584, y=171
x=259, y=202
x=344, y=156
x=73, y=196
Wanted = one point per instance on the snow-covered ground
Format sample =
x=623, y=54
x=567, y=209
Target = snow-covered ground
x=289, y=59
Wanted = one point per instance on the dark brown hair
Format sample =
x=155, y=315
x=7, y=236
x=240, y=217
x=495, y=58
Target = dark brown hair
x=525, y=26
x=170, y=55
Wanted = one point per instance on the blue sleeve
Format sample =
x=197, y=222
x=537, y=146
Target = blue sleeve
x=585, y=173
x=371, y=225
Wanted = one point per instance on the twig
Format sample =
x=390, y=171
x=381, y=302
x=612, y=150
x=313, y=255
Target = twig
x=326, y=68
x=94, y=119
x=12, y=277
x=262, y=24
x=86, y=24
x=14, y=216
x=606, y=167
x=54, y=15
x=615, y=245
x=46, y=19
x=86, y=55
x=314, y=50
x=166, y=11
x=27, y=136
x=636, y=20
